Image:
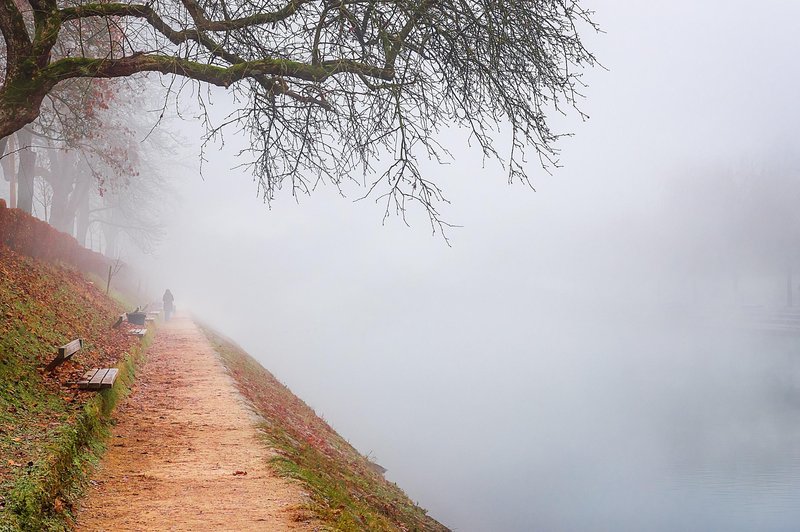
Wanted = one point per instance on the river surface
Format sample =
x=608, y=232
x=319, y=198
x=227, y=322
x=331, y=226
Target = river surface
x=612, y=422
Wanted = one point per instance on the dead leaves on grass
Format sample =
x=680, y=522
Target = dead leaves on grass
x=43, y=306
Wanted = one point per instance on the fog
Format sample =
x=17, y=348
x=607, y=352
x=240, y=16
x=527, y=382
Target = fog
x=563, y=363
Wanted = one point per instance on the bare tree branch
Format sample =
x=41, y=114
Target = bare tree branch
x=341, y=91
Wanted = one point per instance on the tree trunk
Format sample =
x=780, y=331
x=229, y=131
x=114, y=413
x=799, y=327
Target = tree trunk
x=13, y=192
x=27, y=169
x=111, y=234
x=4, y=152
x=9, y=165
x=82, y=227
x=60, y=179
x=71, y=186
x=62, y=187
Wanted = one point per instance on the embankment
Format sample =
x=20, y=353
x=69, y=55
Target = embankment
x=51, y=433
x=36, y=239
x=348, y=491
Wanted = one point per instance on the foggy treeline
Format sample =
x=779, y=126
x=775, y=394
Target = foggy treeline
x=93, y=165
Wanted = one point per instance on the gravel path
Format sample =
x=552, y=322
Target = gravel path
x=185, y=454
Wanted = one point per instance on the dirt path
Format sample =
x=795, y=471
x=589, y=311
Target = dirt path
x=182, y=442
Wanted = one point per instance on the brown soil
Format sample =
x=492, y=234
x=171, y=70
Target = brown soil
x=185, y=453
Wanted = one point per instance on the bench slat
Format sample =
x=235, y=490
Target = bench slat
x=67, y=350
x=97, y=380
x=84, y=382
x=89, y=374
x=110, y=377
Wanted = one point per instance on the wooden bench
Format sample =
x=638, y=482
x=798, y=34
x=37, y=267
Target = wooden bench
x=98, y=379
x=65, y=352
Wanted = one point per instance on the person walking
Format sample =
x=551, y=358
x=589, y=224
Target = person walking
x=169, y=308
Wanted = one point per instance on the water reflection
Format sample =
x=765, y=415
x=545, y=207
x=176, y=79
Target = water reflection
x=657, y=426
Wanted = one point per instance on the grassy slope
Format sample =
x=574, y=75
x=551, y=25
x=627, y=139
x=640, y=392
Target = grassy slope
x=348, y=493
x=49, y=432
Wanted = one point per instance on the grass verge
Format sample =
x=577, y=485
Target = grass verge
x=348, y=491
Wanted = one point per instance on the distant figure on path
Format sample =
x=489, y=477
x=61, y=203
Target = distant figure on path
x=168, y=307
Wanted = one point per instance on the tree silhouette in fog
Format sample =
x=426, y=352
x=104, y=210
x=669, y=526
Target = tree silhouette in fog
x=325, y=88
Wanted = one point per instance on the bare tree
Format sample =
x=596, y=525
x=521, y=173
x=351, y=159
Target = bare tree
x=326, y=87
x=19, y=167
x=44, y=196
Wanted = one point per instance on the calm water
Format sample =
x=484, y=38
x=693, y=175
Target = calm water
x=648, y=430
x=609, y=423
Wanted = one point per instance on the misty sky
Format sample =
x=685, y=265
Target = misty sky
x=690, y=87
x=431, y=357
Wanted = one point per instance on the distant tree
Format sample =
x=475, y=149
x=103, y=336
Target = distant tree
x=325, y=86
x=79, y=143
x=103, y=164
x=130, y=211
x=19, y=168
x=87, y=145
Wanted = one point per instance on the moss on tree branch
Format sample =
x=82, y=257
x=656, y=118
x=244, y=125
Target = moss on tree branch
x=74, y=67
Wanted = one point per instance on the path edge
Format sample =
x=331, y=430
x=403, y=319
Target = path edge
x=347, y=491
x=44, y=499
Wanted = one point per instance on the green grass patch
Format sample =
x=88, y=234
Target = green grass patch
x=42, y=497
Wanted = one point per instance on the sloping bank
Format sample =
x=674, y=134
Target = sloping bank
x=348, y=491
x=50, y=433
